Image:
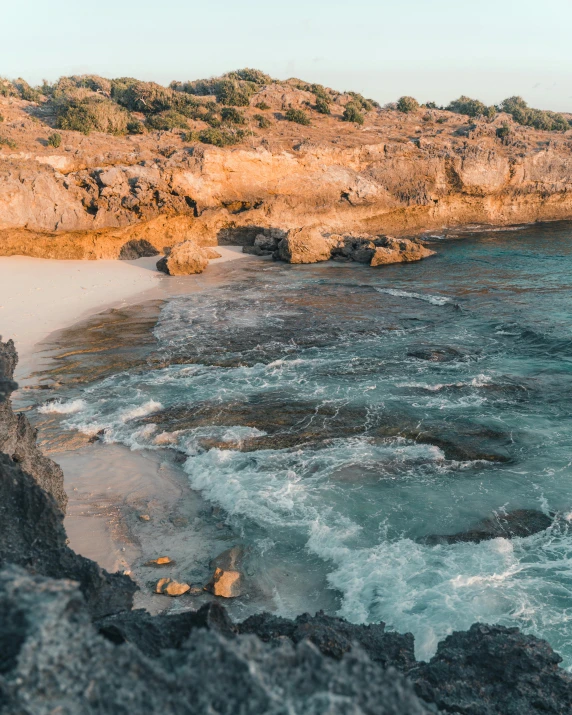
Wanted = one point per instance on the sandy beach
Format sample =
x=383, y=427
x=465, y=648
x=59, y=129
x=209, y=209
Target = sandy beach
x=39, y=296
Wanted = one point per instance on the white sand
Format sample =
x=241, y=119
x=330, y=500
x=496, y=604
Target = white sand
x=39, y=296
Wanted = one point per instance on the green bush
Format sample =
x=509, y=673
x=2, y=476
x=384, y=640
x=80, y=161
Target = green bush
x=407, y=104
x=352, y=114
x=297, y=115
x=149, y=97
x=471, y=107
x=93, y=113
x=234, y=93
x=30, y=94
x=323, y=105
x=55, y=140
x=10, y=143
x=430, y=105
x=263, y=122
x=503, y=132
x=221, y=137
x=250, y=75
x=366, y=105
x=262, y=105
x=167, y=120
x=7, y=89
x=441, y=120
x=537, y=118
x=232, y=116
x=135, y=127
x=1, y=117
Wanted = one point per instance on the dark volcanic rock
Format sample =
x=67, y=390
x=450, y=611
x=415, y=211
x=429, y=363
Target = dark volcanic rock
x=492, y=670
x=334, y=636
x=154, y=634
x=137, y=248
x=522, y=522
x=53, y=660
x=32, y=535
x=18, y=437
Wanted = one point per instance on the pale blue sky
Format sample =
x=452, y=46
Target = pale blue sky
x=431, y=49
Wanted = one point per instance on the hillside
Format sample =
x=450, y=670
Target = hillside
x=220, y=160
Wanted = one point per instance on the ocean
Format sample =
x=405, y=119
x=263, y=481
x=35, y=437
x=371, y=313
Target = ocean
x=340, y=415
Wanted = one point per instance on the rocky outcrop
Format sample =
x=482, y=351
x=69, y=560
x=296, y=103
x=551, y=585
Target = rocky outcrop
x=137, y=248
x=184, y=259
x=396, y=250
x=18, y=437
x=309, y=245
x=305, y=245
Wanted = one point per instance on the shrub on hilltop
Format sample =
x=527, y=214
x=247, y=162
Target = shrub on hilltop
x=91, y=113
x=471, y=107
x=7, y=89
x=30, y=94
x=298, y=116
x=537, y=118
x=233, y=89
x=407, y=104
x=352, y=114
x=366, y=105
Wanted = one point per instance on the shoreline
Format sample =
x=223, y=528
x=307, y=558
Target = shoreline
x=40, y=297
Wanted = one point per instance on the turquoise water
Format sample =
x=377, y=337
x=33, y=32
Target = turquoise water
x=306, y=406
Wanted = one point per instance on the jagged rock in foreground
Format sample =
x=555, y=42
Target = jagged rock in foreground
x=492, y=669
x=53, y=660
x=184, y=259
x=32, y=535
x=398, y=250
x=18, y=437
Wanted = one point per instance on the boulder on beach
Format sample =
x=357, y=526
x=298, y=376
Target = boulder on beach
x=398, y=250
x=305, y=245
x=184, y=259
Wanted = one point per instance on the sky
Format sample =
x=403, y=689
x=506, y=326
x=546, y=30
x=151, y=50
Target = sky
x=434, y=50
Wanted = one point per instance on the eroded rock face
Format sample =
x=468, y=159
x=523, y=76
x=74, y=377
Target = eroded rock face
x=184, y=259
x=18, y=437
x=137, y=248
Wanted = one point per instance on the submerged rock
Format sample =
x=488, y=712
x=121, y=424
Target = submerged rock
x=522, y=522
x=183, y=259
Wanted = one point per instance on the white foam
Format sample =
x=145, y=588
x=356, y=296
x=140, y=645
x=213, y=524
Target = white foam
x=62, y=408
x=141, y=411
x=433, y=299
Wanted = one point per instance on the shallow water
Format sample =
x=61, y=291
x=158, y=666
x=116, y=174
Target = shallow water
x=339, y=414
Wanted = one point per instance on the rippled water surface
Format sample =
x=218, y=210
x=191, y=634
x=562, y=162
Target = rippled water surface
x=340, y=414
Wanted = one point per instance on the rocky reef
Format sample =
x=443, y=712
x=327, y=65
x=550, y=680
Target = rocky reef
x=71, y=643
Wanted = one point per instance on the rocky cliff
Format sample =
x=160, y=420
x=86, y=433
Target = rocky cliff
x=396, y=173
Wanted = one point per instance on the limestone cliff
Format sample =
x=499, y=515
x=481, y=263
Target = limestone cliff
x=398, y=174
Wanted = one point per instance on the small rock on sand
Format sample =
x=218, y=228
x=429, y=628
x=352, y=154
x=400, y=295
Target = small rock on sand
x=144, y=517
x=161, y=561
x=168, y=587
